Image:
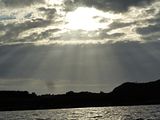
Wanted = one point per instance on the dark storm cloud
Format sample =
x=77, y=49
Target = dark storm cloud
x=49, y=12
x=20, y=3
x=152, y=30
x=115, y=35
x=105, y=5
x=149, y=29
x=155, y=20
x=12, y=30
x=116, y=24
x=33, y=23
x=152, y=37
x=40, y=36
x=104, y=35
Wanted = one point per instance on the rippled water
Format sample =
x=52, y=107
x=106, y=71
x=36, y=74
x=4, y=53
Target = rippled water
x=99, y=113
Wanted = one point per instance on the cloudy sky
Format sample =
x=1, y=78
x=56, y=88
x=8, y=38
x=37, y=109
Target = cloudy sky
x=54, y=46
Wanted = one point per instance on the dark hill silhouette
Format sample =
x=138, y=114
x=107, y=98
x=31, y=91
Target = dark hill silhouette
x=125, y=94
x=144, y=93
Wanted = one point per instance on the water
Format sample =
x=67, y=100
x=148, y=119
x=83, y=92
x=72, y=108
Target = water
x=99, y=113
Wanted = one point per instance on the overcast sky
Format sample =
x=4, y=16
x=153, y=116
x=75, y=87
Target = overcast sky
x=80, y=45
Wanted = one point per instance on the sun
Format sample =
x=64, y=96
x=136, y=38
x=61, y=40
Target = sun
x=83, y=18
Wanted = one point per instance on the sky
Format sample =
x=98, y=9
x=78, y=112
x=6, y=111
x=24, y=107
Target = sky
x=55, y=46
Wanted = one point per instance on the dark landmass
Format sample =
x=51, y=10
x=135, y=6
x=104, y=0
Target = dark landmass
x=125, y=94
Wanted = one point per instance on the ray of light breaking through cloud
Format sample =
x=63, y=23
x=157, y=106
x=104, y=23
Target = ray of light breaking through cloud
x=62, y=45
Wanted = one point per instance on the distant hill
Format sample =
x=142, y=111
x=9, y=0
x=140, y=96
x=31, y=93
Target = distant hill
x=143, y=93
x=125, y=94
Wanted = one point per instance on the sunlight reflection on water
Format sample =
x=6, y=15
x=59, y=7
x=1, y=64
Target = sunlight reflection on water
x=99, y=113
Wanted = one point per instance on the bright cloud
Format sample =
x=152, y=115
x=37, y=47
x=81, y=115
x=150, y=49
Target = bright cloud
x=34, y=21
